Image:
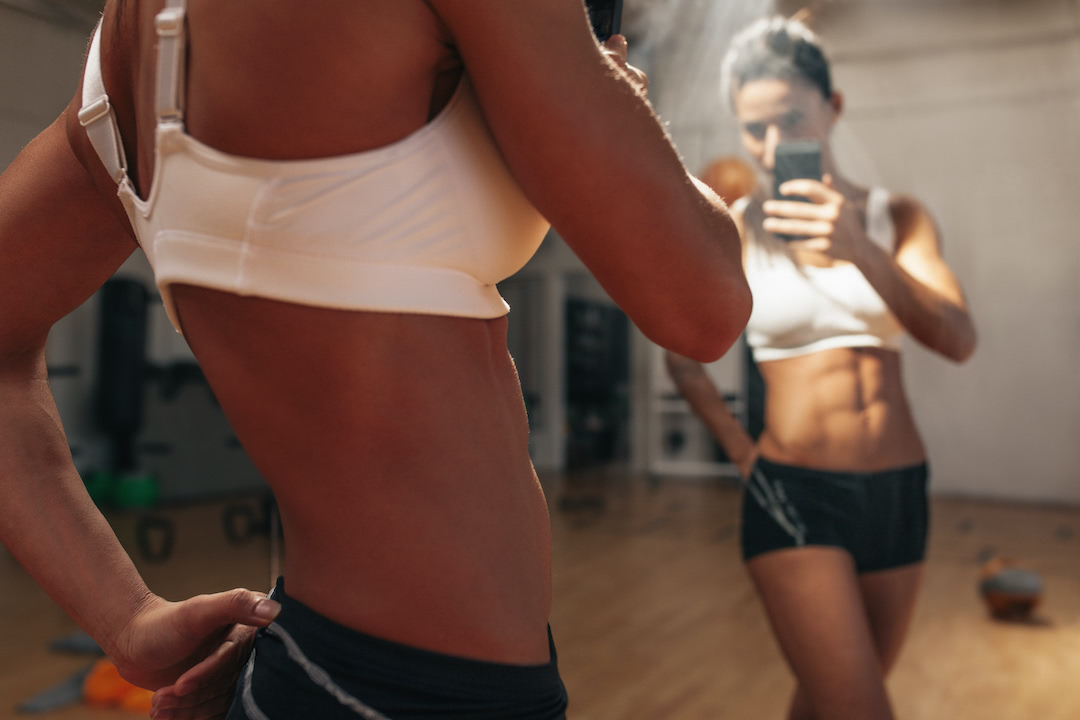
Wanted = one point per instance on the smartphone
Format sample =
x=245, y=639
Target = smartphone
x=606, y=17
x=795, y=160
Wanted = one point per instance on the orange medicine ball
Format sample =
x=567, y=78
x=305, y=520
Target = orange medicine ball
x=730, y=177
x=104, y=687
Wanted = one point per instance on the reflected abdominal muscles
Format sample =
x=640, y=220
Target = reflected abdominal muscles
x=843, y=408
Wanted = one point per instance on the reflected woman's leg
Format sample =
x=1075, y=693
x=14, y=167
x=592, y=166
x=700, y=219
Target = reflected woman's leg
x=889, y=596
x=815, y=604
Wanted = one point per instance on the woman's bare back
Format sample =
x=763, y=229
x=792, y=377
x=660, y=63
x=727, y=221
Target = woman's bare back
x=277, y=83
x=396, y=444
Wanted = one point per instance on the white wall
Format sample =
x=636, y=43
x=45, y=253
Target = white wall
x=974, y=107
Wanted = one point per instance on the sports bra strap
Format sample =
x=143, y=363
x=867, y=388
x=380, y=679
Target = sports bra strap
x=172, y=56
x=879, y=225
x=97, y=116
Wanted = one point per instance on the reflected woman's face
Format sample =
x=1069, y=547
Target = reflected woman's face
x=775, y=110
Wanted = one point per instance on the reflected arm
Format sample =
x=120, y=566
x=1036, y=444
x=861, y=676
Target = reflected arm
x=708, y=404
x=918, y=286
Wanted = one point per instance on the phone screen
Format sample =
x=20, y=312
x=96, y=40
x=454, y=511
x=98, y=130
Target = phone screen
x=795, y=160
x=606, y=17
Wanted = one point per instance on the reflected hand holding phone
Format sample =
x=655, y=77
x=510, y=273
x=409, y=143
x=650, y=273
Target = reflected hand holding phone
x=795, y=160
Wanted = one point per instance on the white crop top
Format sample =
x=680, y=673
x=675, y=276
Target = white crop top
x=425, y=225
x=800, y=310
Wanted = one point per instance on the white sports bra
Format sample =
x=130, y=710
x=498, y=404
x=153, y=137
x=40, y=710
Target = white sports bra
x=800, y=310
x=425, y=225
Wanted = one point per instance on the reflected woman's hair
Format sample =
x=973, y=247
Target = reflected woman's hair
x=776, y=47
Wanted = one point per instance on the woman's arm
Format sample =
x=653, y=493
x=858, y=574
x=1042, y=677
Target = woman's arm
x=60, y=239
x=589, y=152
x=918, y=286
x=913, y=280
x=708, y=404
x=706, y=400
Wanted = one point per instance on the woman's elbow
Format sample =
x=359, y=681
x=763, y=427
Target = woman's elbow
x=716, y=324
x=963, y=345
x=713, y=343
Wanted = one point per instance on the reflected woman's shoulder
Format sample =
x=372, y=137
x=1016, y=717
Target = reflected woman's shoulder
x=913, y=221
x=907, y=210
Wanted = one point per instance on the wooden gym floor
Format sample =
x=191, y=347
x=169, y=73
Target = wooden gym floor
x=655, y=618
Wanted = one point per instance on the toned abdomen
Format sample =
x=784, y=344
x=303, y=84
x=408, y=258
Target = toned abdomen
x=840, y=409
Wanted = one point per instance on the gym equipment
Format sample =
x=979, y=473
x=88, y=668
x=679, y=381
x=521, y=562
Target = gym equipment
x=1010, y=591
x=730, y=177
x=155, y=536
x=241, y=523
x=121, y=367
x=104, y=687
x=61, y=695
x=76, y=643
x=135, y=491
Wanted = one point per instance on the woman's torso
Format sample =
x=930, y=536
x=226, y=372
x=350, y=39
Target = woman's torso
x=840, y=408
x=396, y=444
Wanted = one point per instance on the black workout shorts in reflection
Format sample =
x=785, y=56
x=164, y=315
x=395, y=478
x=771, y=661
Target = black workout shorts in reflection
x=881, y=518
x=307, y=667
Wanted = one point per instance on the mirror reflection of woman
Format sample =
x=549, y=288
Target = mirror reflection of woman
x=329, y=196
x=835, y=509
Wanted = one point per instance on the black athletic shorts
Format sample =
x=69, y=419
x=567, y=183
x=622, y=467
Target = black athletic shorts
x=880, y=518
x=307, y=666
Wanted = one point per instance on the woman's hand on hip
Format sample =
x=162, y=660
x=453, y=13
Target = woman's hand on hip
x=192, y=652
x=745, y=465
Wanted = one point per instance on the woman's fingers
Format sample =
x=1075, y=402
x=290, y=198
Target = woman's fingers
x=206, y=679
x=817, y=191
x=205, y=690
x=168, y=639
x=800, y=210
x=800, y=228
x=202, y=615
x=616, y=45
x=615, y=48
x=223, y=663
x=746, y=466
x=812, y=245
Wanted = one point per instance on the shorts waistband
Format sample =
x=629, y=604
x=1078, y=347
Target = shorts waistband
x=805, y=474
x=341, y=649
